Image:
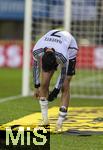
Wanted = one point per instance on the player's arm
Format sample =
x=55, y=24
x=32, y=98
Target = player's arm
x=36, y=76
x=58, y=85
x=36, y=73
x=37, y=54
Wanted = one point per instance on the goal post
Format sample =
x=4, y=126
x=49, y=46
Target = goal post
x=67, y=14
x=27, y=48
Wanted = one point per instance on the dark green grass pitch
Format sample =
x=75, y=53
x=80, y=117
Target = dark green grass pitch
x=10, y=84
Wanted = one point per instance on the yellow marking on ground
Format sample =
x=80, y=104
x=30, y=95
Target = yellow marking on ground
x=79, y=118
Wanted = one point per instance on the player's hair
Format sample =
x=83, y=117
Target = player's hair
x=49, y=61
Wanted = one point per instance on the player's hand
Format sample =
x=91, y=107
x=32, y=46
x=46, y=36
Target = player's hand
x=53, y=94
x=37, y=93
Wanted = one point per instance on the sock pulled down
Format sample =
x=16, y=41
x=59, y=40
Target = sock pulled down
x=62, y=114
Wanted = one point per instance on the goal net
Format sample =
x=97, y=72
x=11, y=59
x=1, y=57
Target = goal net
x=84, y=19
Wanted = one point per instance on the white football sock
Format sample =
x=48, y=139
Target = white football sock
x=44, y=109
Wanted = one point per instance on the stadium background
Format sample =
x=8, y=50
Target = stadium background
x=86, y=26
x=12, y=18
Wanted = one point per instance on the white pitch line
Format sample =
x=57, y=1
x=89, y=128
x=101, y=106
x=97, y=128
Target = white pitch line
x=10, y=98
x=14, y=97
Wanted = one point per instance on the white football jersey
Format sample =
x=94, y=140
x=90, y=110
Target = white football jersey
x=62, y=41
x=65, y=49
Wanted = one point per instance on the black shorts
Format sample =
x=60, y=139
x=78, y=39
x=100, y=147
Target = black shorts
x=71, y=67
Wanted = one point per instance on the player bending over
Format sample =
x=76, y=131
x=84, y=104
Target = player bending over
x=53, y=49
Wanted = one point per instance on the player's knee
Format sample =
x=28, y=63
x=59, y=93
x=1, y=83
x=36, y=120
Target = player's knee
x=44, y=85
x=66, y=85
x=65, y=88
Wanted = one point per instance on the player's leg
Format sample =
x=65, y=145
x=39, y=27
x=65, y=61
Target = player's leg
x=44, y=89
x=65, y=97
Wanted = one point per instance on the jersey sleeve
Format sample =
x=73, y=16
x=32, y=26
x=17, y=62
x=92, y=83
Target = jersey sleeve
x=61, y=77
x=36, y=73
x=73, y=49
x=37, y=54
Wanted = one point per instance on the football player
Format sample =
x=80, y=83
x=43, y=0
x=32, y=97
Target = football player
x=54, y=48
